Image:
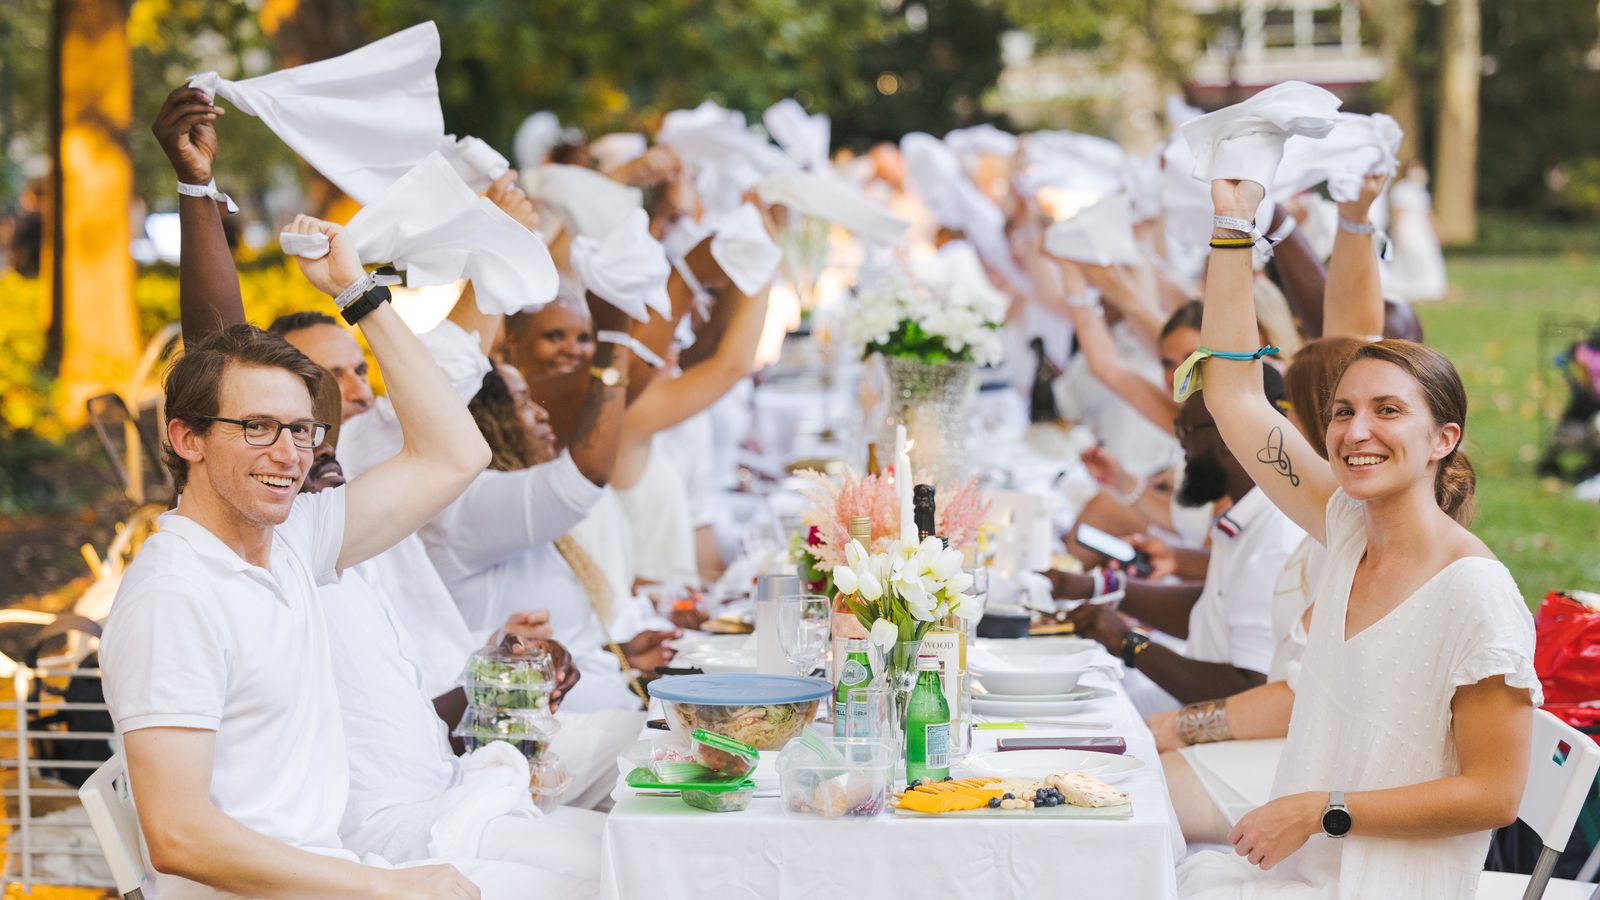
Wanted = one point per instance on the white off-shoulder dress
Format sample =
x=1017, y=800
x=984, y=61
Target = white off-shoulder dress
x=1373, y=712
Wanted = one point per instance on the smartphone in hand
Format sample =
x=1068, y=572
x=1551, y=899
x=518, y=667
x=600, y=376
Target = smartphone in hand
x=1133, y=559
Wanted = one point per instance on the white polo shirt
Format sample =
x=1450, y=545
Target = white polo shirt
x=1232, y=620
x=398, y=749
x=199, y=638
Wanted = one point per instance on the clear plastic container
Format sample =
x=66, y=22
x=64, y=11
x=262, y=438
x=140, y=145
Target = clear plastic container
x=722, y=755
x=764, y=711
x=836, y=777
x=720, y=801
x=500, y=678
x=528, y=730
x=547, y=781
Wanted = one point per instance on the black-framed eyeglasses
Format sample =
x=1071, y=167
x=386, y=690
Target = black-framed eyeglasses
x=306, y=434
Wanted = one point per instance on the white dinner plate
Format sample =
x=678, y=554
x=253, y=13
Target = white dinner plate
x=1033, y=709
x=1081, y=692
x=1037, y=764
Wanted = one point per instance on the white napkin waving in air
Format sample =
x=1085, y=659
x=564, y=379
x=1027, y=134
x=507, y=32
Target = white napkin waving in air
x=834, y=200
x=1101, y=235
x=743, y=249
x=478, y=164
x=581, y=200
x=1245, y=141
x=1356, y=147
x=363, y=119
x=942, y=182
x=801, y=135
x=627, y=268
x=434, y=227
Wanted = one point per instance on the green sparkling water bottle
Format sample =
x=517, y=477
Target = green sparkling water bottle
x=927, y=725
x=856, y=672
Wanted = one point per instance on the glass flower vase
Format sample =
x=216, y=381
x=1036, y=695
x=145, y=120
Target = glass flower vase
x=934, y=402
x=901, y=673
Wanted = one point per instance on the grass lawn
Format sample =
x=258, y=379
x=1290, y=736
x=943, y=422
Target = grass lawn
x=1490, y=328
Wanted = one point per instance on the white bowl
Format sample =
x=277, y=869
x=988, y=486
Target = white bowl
x=1028, y=680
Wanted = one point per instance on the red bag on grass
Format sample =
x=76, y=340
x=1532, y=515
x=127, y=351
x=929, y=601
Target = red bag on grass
x=1567, y=656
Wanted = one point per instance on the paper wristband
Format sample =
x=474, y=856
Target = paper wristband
x=1186, y=380
x=1247, y=227
x=209, y=189
x=632, y=343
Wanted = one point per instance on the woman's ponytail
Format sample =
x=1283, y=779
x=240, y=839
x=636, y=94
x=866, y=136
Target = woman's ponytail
x=1453, y=485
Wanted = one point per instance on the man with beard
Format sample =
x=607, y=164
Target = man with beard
x=411, y=798
x=1226, y=620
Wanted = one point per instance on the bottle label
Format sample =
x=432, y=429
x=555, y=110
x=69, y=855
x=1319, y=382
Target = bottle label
x=936, y=736
x=853, y=673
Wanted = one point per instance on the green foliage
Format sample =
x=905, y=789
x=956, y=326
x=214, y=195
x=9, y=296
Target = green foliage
x=1539, y=96
x=1489, y=329
x=611, y=66
x=929, y=73
x=909, y=341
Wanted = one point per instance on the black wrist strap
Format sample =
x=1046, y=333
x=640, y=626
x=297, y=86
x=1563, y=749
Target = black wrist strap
x=1131, y=644
x=366, y=303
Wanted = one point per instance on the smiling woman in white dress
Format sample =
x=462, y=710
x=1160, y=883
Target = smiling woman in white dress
x=1414, y=699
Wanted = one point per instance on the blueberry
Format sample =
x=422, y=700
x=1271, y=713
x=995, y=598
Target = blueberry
x=994, y=802
x=915, y=782
x=949, y=778
x=1009, y=797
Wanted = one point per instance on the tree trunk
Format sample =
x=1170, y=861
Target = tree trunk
x=1455, y=170
x=1393, y=26
x=91, y=274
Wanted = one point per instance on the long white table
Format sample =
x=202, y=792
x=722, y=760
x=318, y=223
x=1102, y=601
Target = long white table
x=658, y=847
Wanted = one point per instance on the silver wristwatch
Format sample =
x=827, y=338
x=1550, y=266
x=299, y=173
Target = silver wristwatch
x=1336, y=818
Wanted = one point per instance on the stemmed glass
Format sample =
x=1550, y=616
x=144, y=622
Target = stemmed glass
x=804, y=622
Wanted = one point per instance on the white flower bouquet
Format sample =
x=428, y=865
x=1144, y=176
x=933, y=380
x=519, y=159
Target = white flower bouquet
x=946, y=311
x=899, y=593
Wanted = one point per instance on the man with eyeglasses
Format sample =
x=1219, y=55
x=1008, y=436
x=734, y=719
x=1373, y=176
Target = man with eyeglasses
x=1225, y=620
x=218, y=669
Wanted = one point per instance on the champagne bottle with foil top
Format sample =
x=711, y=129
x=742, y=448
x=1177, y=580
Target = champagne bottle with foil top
x=845, y=623
x=856, y=672
x=927, y=726
x=924, y=511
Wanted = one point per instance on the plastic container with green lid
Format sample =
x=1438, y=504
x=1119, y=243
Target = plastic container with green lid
x=722, y=754
x=714, y=793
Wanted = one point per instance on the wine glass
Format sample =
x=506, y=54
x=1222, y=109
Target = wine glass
x=803, y=625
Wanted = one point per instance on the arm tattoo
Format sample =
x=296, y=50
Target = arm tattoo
x=1274, y=455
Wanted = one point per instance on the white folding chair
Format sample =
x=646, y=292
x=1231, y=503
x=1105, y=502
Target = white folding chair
x=1561, y=770
x=106, y=799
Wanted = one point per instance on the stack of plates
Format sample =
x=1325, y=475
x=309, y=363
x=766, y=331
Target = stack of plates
x=1036, y=682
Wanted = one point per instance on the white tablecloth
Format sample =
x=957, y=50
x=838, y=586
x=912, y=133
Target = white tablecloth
x=657, y=847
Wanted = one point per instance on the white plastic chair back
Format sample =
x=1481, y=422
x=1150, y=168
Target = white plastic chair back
x=1561, y=769
x=106, y=799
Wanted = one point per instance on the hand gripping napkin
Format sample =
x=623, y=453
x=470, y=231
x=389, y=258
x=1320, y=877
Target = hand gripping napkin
x=581, y=200
x=804, y=137
x=363, y=119
x=1245, y=141
x=743, y=249
x=435, y=228
x=831, y=199
x=1101, y=235
x=627, y=268
x=1357, y=146
x=478, y=164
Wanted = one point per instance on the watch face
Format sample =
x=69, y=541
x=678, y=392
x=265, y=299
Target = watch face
x=1336, y=822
